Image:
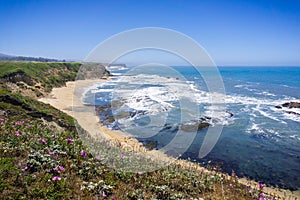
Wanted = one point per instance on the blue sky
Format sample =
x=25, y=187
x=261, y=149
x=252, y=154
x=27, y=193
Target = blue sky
x=256, y=32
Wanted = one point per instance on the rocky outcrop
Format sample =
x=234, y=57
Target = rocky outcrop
x=289, y=105
x=194, y=126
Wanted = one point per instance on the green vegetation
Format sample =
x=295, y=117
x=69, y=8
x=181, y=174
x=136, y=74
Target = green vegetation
x=40, y=77
x=42, y=156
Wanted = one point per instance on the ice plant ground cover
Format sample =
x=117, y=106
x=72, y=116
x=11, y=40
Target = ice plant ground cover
x=56, y=168
x=42, y=157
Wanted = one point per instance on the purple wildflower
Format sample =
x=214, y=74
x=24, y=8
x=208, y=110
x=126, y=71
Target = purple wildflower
x=55, y=170
x=104, y=195
x=56, y=178
x=61, y=168
x=24, y=169
x=17, y=133
x=42, y=140
x=83, y=153
x=51, y=152
x=122, y=155
x=98, y=158
x=70, y=140
x=140, y=173
x=113, y=197
x=230, y=185
x=260, y=185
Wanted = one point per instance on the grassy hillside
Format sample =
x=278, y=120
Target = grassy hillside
x=39, y=78
x=42, y=157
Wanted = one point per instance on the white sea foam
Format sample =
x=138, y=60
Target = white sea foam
x=156, y=94
x=116, y=68
x=262, y=112
x=254, y=127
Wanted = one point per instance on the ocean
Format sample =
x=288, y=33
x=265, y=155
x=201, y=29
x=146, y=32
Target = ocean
x=258, y=140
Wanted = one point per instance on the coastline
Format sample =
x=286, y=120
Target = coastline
x=63, y=98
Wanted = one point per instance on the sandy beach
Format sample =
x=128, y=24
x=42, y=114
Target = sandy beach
x=69, y=100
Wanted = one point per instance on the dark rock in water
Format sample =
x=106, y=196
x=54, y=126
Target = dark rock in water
x=190, y=127
x=229, y=113
x=151, y=145
x=291, y=105
x=203, y=125
x=170, y=128
x=291, y=112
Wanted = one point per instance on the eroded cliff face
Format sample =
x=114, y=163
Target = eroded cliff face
x=36, y=80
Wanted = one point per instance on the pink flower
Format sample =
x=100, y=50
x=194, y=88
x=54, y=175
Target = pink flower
x=230, y=185
x=214, y=168
x=122, y=155
x=250, y=191
x=51, y=152
x=262, y=198
x=61, y=168
x=17, y=133
x=56, y=178
x=104, y=195
x=70, y=140
x=98, y=158
x=24, y=169
x=232, y=173
x=42, y=140
x=261, y=186
x=55, y=170
x=83, y=153
x=140, y=173
x=113, y=197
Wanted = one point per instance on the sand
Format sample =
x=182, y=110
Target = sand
x=70, y=96
x=69, y=100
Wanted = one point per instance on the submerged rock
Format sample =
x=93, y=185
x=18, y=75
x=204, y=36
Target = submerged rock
x=194, y=126
x=151, y=145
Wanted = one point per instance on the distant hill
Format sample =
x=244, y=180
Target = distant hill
x=25, y=58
